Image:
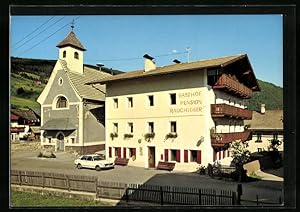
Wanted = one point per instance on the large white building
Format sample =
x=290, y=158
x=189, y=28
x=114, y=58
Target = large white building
x=186, y=113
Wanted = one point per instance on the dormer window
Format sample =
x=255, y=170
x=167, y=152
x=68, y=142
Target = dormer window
x=64, y=54
x=76, y=55
x=61, y=102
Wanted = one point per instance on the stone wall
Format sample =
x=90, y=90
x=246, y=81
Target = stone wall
x=85, y=149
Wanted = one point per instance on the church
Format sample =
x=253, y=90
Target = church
x=72, y=113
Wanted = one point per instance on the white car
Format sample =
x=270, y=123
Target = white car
x=94, y=161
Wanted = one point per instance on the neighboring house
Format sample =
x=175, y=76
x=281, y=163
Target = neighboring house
x=20, y=122
x=35, y=133
x=187, y=113
x=72, y=113
x=265, y=126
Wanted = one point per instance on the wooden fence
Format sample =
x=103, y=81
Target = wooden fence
x=129, y=192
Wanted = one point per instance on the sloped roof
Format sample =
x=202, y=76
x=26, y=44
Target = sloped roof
x=270, y=120
x=92, y=92
x=201, y=64
x=26, y=114
x=59, y=124
x=71, y=40
x=35, y=129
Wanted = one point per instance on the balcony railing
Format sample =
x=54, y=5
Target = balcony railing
x=221, y=110
x=220, y=139
x=17, y=129
x=233, y=86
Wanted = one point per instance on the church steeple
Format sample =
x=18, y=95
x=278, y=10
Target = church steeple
x=71, y=50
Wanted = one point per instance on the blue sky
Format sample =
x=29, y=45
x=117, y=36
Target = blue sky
x=119, y=42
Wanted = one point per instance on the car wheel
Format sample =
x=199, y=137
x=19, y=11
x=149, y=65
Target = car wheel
x=79, y=166
x=98, y=168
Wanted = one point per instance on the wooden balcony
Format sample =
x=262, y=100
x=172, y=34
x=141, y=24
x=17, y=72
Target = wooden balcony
x=232, y=86
x=223, y=110
x=17, y=129
x=220, y=139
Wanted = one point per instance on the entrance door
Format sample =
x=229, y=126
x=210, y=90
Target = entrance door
x=151, y=157
x=60, y=142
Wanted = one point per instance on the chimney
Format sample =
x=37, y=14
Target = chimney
x=262, y=108
x=149, y=63
x=176, y=61
x=99, y=65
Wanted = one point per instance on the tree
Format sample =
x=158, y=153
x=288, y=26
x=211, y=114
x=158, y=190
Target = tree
x=20, y=91
x=240, y=155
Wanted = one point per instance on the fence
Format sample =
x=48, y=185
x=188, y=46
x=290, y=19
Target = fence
x=129, y=192
x=260, y=202
x=179, y=195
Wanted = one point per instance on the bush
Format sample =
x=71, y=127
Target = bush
x=20, y=91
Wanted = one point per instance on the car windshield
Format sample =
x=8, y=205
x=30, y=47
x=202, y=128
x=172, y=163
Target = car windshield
x=99, y=157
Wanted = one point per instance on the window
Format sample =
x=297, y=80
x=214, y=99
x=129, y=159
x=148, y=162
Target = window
x=115, y=128
x=150, y=127
x=64, y=54
x=258, y=138
x=193, y=156
x=173, y=98
x=130, y=127
x=60, y=81
x=89, y=158
x=173, y=154
x=49, y=140
x=130, y=101
x=61, y=102
x=151, y=100
x=72, y=140
x=76, y=55
x=173, y=127
x=116, y=103
x=132, y=152
x=275, y=136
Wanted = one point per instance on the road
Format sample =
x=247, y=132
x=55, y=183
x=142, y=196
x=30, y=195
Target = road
x=63, y=163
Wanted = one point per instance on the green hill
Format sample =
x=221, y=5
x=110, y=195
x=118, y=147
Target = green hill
x=30, y=76
x=270, y=95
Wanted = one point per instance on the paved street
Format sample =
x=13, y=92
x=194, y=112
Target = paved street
x=63, y=163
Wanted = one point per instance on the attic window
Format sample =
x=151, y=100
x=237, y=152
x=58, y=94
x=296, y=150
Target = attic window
x=64, y=54
x=61, y=102
x=60, y=81
x=76, y=55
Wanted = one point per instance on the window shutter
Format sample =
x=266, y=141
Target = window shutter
x=134, y=152
x=119, y=152
x=166, y=155
x=199, y=156
x=109, y=152
x=186, y=155
x=124, y=152
x=178, y=155
x=215, y=155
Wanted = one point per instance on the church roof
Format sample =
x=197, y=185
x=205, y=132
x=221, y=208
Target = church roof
x=92, y=92
x=71, y=40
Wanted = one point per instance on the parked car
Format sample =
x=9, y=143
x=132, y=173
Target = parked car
x=93, y=161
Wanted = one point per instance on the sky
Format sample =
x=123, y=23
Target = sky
x=120, y=41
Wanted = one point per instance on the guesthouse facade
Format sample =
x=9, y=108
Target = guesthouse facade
x=186, y=113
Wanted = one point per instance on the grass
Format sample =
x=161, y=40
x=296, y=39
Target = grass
x=26, y=199
x=23, y=103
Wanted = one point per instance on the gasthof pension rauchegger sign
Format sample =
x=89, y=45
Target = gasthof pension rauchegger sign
x=189, y=102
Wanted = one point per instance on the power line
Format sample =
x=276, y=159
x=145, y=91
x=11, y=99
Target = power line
x=48, y=36
x=138, y=58
x=40, y=33
x=34, y=30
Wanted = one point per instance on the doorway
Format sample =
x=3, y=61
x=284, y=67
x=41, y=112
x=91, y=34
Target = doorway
x=60, y=142
x=151, y=157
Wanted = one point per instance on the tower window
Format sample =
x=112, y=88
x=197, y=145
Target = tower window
x=64, y=54
x=76, y=55
x=61, y=102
